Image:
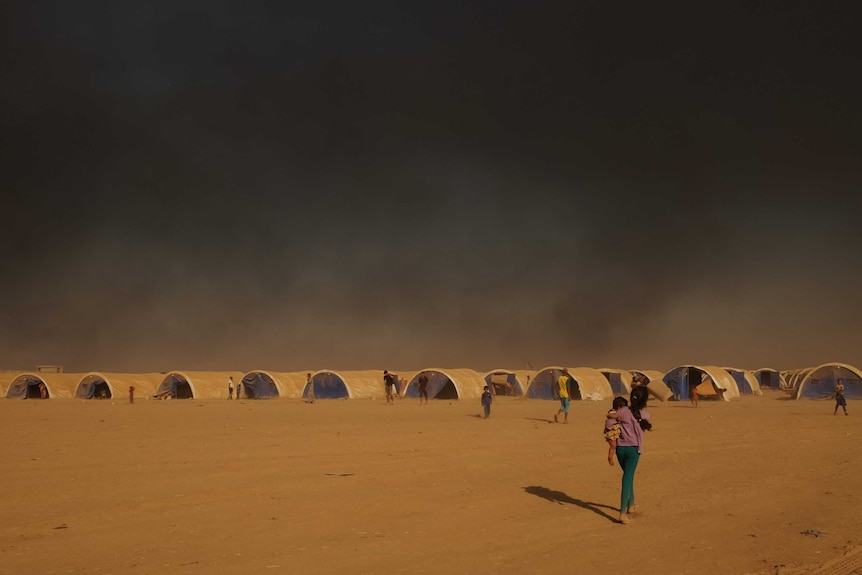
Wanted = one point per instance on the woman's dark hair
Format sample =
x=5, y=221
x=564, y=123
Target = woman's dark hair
x=638, y=399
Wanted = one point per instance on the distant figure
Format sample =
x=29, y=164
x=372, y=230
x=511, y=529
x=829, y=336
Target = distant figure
x=132, y=394
x=612, y=427
x=423, y=387
x=230, y=387
x=43, y=390
x=692, y=393
x=388, y=383
x=839, y=397
x=309, y=385
x=634, y=420
x=563, y=384
x=402, y=385
x=486, y=402
x=238, y=389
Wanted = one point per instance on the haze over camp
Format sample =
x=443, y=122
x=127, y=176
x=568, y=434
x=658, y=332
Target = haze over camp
x=356, y=186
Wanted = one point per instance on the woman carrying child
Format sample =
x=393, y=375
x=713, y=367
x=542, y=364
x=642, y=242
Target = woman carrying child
x=633, y=420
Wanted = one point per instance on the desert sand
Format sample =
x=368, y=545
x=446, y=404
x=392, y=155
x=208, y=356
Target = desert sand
x=759, y=485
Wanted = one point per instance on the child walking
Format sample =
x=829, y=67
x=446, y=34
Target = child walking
x=612, y=427
x=486, y=401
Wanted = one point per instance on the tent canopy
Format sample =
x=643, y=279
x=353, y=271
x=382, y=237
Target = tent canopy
x=260, y=384
x=769, y=378
x=117, y=384
x=508, y=382
x=745, y=380
x=589, y=383
x=819, y=382
x=27, y=385
x=709, y=380
x=197, y=384
x=448, y=384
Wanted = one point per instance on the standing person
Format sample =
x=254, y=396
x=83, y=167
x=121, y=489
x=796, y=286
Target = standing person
x=563, y=384
x=309, y=385
x=388, y=382
x=634, y=420
x=43, y=390
x=612, y=427
x=839, y=397
x=230, y=387
x=238, y=389
x=486, y=402
x=132, y=394
x=692, y=393
x=423, y=387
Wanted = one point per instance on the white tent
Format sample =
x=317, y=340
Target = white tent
x=95, y=385
x=589, y=384
x=57, y=385
x=458, y=383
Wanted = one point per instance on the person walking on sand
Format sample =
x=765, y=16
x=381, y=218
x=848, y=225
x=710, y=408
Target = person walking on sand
x=612, y=427
x=840, y=400
x=388, y=382
x=422, y=383
x=634, y=420
x=238, y=389
x=309, y=386
x=132, y=394
x=230, y=387
x=563, y=384
x=486, y=402
x=692, y=393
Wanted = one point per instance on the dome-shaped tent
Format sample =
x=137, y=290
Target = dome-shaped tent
x=30, y=385
x=795, y=376
x=589, y=383
x=197, y=384
x=260, y=384
x=458, y=383
x=710, y=381
x=745, y=380
x=654, y=382
x=109, y=385
x=508, y=382
x=769, y=378
x=819, y=382
x=351, y=384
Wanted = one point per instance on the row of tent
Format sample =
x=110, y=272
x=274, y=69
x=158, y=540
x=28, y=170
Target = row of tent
x=586, y=383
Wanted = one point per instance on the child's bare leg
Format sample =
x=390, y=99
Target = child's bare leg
x=612, y=448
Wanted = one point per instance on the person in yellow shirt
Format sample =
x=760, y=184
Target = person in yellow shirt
x=563, y=384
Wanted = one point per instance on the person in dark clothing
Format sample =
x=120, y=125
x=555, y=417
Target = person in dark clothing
x=486, y=402
x=389, y=383
x=423, y=387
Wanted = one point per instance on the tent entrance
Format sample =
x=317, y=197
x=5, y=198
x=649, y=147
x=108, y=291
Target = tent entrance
x=448, y=391
x=101, y=390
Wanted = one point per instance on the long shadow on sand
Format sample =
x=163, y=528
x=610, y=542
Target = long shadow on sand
x=539, y=419
x=562, y=498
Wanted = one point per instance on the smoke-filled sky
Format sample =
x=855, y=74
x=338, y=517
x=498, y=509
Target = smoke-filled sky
x=305, y=185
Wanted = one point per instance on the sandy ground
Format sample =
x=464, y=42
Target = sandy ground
x=761, y=485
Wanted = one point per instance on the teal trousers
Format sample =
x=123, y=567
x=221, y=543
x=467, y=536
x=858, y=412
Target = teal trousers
x=628, y=458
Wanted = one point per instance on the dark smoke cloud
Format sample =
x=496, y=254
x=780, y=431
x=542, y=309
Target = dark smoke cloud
x=233, y=187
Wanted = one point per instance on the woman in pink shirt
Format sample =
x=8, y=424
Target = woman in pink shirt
x=634, y=420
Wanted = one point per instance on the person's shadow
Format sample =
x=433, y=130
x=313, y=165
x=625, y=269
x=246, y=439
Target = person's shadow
x=561, y=498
